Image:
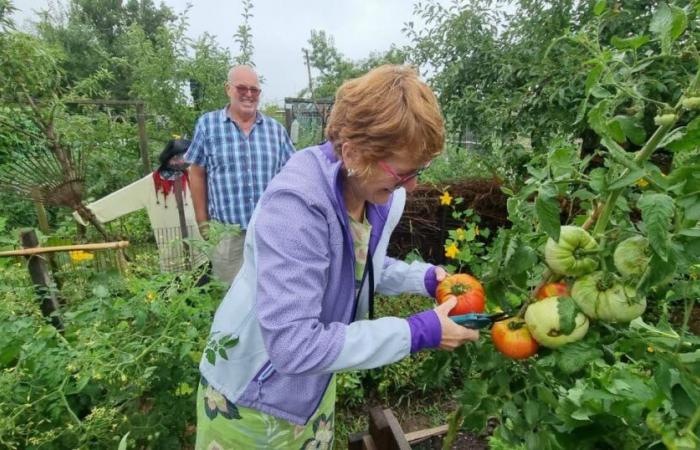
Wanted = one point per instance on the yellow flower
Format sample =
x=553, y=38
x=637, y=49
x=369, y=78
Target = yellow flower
x=650, y=349
x=451, y=251
x=150, y=296
x=476, y=230
x=446, y=198
x=642, y=183
x=79, y=256
x=176, y=136
x=461, y=234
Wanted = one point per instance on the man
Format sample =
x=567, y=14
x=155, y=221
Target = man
x=235, y=152
x=165, y=195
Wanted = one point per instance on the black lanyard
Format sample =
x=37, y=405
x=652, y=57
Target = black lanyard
x=369, y=269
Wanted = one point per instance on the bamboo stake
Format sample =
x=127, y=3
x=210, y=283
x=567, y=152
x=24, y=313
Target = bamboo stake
x=65, y=248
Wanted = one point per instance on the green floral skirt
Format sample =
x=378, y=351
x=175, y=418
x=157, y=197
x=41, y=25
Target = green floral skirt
x=222, y=425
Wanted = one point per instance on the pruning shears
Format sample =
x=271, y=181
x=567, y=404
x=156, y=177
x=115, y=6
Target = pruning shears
x=479, y=320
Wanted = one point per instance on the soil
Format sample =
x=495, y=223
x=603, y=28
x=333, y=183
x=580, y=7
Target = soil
x=463, y=441
x=693, y=320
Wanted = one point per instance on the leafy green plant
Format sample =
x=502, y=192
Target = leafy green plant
x=619, y=377
x=127, y=359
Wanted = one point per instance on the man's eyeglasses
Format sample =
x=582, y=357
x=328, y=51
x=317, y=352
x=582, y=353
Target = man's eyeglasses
x=243, y=90
x=401, y=180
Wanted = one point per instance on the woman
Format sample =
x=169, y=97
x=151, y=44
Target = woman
x=315, y=251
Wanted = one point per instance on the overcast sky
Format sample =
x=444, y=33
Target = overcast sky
x=282, y=27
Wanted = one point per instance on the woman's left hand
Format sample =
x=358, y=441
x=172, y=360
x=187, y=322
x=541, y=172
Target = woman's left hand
x=440, y=273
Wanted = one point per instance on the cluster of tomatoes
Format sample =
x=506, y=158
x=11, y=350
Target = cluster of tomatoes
x=560, y=311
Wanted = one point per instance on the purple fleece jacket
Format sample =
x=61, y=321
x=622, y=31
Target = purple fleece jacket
x=304, y=287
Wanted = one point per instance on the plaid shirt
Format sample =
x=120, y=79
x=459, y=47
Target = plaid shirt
x=238, y=166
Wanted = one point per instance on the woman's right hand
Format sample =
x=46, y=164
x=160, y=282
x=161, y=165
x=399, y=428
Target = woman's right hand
x=453, y=335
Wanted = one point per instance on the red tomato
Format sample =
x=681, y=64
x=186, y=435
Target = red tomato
x=469, y=292
x=512, y=338
x=552, y=290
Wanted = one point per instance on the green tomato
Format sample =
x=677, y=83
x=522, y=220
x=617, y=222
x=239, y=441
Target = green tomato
x=631, y=256
x=564, y=257
x=544, y=321
x=602, y=297
x=691, y=102
x=664, y=119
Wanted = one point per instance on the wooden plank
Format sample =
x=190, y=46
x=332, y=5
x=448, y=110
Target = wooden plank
x=398, y=436
x=420, y=435
x=368, y=443
x=386, y=431
x=65, y=248
x=103, y=101
x=355, y=440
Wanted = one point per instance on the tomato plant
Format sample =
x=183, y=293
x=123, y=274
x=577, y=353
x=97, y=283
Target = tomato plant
x=608, y=204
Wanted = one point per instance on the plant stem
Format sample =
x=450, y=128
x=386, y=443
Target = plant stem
x=692, y=423
x=647, y=150
x=454, y=424
x=642, y=156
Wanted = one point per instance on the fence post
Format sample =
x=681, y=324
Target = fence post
x=41, y=277
x=143, y=138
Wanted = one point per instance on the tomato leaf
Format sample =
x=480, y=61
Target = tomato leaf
x=123, y=441
x=691, y=206
x=577, y=356
x=627, y=180
x=668, y=23
x=684, y=138
x=532, y=412
x=632, y=129
x=662, y=377
x=629, y=43
x=568, y=311
x=682, y=402
x=600, y=7
x=615, y=130
x=597, y=117
x=598, y=179
x=658, y=271
x=657, y=211
x=547, y=209
x=545, y=395
x=560, y=162
x=593, y=77
x=522, y=259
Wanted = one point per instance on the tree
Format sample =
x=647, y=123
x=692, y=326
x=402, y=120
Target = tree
x=90, y=33
x=334, y=67
x=244, y=36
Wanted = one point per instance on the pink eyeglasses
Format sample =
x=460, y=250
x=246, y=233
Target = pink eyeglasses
x=401, y=180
